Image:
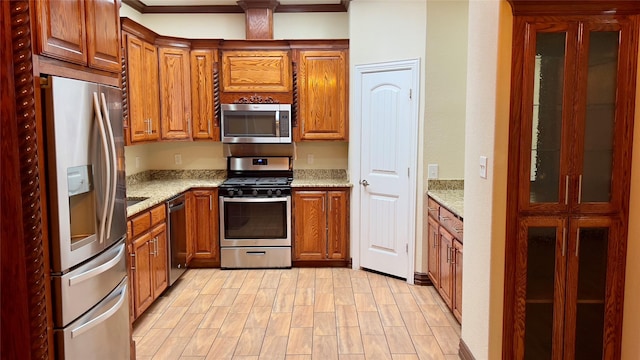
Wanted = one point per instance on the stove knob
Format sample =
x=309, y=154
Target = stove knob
x=239, y=192
x=254, y=192
x=269, y=192
x=230, y=192
x=278, y=192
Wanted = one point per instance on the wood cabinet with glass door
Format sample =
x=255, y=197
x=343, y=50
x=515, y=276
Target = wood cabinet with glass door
x=573, y=91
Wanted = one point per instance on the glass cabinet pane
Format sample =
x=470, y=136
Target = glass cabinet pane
x=600, y=116
x=546, y=130
x=592, y=278
x=541, y=255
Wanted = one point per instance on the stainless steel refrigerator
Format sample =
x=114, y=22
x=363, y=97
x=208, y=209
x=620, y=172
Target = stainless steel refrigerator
x=87, y=208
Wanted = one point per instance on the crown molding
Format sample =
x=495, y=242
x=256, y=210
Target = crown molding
x=141, y=7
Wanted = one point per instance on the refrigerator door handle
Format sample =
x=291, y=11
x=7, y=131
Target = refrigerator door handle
x=98, y=269
x=105, y=146
x=113, y=165
x=102, y=317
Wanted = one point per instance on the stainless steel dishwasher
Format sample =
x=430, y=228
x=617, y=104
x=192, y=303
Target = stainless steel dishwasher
x=177, y=215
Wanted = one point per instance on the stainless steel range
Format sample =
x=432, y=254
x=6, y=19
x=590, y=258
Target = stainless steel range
x=255, y=213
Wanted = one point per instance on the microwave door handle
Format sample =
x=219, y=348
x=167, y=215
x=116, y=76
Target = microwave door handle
x=107, y=177
x=113, y=165
x=277, y=123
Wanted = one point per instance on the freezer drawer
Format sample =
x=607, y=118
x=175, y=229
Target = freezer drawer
x=80, y=289
x=100, y=334
x=255, y=257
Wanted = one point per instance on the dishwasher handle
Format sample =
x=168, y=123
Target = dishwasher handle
x=176, y=204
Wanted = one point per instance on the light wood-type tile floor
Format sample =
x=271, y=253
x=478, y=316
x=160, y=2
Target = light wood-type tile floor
x=296, y=314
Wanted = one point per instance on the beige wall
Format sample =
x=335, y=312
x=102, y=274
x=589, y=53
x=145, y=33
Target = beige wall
x=445, y=86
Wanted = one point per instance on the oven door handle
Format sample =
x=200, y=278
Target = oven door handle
x=254, y=199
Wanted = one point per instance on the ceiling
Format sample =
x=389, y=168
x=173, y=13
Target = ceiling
x=231, y=6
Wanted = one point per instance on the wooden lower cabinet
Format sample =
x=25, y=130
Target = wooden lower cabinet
x=149, y=271
x=202, y=219
x=321, y=227
x=445, y=256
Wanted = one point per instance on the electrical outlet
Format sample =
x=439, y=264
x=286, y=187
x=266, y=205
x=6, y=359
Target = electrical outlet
x=432, y=171
x=310, y=159
x=483, y=167
x=178, y=159
x=137, y=162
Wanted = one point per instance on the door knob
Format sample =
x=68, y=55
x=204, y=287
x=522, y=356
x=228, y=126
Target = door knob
x=364, y=183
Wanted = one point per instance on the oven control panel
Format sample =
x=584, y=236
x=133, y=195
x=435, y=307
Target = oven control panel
x=255, y=192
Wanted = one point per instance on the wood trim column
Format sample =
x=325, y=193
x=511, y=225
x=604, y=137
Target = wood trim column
x=259, y=18
x=25, y=270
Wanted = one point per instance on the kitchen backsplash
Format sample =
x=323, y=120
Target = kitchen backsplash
x=151, y=175
x=445, y=185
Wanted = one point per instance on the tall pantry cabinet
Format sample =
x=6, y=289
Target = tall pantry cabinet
x=572, y=106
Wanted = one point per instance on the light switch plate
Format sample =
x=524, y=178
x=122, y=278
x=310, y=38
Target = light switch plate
x=178, y=159
x=432, y=171
x=483, y=167
x=310, y=158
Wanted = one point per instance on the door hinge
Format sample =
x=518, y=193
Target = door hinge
x=408, y=172
x=410, y=94
x=406, y=248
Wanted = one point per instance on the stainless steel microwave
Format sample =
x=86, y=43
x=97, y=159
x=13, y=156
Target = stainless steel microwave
x=256, y=123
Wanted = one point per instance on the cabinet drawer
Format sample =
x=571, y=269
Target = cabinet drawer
x=140, y=224
x=433, y=208
x=158, y=214
x=451, y=223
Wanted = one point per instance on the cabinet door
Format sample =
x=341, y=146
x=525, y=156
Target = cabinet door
x=446, y=271
x=202, y=96
x=103, y=34
x=338, y=224
x=142, y=284
x=191, y=223
x=256, y=71
x=592, y=263
x=457, y=280
x=62, y=32
x=160, y=259
x=206, y=225
x=322, y=87
x=433, y=241
x=310, y=225
x=175, y=97
x=540, y=277
x=151, y=86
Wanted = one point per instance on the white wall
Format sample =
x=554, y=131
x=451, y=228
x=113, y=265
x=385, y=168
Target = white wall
x=445, y=86
x=382, y=31
x=487, y=124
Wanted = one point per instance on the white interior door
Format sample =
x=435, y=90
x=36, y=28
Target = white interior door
x=387, y=170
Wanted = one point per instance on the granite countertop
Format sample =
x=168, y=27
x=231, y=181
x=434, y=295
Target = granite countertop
x=320, y=178
x=159, y=191
x=161, y=185
x=449, y=193
x=451, y=199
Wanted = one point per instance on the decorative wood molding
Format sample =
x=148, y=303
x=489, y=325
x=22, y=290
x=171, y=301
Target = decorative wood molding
x=572, y=7
x=294, y=103
x=216, y=93
x=232, y=9
x=256, y=99
x=259, y=18
x=464, y=352
x=422, y=279
x=35, y=249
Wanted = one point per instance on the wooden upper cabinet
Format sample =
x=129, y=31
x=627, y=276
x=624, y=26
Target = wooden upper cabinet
x=253, y=71
x=204, y=124
x=142, y=90
x=81, y=32
x=62, y=31
x=175, y=93
x=103, y=34
x=322, y=95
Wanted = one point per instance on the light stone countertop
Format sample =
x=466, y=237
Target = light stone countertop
x=451, y=199
x=159, y=191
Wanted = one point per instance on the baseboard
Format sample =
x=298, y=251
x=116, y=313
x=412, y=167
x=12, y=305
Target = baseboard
x=464, y=352
x=320, y=263
x=421, y=279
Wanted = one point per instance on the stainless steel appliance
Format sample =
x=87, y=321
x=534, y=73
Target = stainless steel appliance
x=177, y=215
x=256, y=123
x=86, y=188
x=255, y=213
